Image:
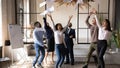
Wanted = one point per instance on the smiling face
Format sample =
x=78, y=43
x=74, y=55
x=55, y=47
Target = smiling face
x=70, y=25
x=37, y=24
x=104, y=23
x=47, y=24
x=59, y=27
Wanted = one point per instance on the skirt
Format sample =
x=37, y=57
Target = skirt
x=50, y=45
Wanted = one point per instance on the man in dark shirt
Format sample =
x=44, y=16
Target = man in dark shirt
x=69, y=35
x=50, y=40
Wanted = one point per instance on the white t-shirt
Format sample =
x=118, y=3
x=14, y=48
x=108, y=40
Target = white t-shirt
x=58, y=37
x=103, y=34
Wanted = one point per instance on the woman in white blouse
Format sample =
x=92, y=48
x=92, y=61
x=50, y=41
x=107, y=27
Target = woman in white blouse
x=59, y=41
x=104, y=35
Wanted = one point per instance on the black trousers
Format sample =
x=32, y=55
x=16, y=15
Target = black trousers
x=101, y=48
x=70, y=55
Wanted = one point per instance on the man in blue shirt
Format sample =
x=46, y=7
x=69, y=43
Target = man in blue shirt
x=38, y=35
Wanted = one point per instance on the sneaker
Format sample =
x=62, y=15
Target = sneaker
x=40, y=66
x=72, y=63
x=33, y=67
x=95, y=59
x=85, y=66
x=67, y=63
x=59, y=67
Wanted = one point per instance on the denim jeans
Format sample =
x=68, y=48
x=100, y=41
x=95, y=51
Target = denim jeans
x=60, y=56
x=39, y=49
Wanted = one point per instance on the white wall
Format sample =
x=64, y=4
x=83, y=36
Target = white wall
x=4, y=24
x=62, y=13
x=112, y=12
x=8, y=17
x=39, y=10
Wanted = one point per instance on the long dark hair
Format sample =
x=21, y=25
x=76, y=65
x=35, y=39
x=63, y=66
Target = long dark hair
x=37, y=24
x=108, y=27
x=57, y=26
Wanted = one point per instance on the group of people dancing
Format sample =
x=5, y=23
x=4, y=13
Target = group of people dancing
x=60, y=40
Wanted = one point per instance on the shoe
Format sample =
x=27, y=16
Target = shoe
x=59, y=67
x=85, y=66
x=98, y=66
x=33, y=67
x=40, y=66
x=67, y=63
x=72, y=63
x=95, y=59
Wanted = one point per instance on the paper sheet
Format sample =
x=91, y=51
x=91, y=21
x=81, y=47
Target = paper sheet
x=49, y=10
x=67, y=0
x=42, y=4
x=50, y=7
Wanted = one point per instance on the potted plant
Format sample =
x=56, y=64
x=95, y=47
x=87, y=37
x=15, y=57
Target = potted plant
x=116, y=38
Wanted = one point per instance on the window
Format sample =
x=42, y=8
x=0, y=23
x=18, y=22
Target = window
x=28, y=11
x=83, y=33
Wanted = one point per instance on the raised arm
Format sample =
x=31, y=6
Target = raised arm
x=52, y=21
x=97, y=21
x=87, y=21
x=45, y=23
x=96, y=18
x=70, y=17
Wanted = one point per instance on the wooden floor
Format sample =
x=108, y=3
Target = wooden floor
x=80, y=57
x=29, y=65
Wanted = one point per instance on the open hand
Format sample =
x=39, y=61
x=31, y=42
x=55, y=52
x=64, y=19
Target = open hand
x=45, y=47
x=94, y=11
x=71, y=36
x=49, y=15
x=90, y=13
